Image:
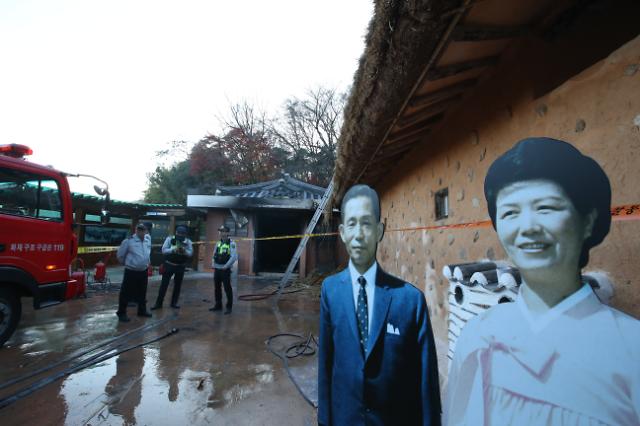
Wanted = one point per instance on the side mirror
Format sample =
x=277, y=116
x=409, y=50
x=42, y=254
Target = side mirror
x=100, y=191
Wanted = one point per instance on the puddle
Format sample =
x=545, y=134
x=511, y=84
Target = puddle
x=214, y=371
x=133, y=386
x=257, y=376
x=84, y=393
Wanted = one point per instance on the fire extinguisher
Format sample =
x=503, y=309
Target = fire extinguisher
x=101, y=271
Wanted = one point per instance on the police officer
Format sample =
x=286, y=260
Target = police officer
x=224, y=256
x=134, y=254
x=177, y=249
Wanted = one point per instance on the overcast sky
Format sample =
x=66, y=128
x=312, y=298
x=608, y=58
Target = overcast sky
x=97, y=86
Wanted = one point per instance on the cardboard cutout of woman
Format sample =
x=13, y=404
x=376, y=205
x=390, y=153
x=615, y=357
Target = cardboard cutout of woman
x=557, y=356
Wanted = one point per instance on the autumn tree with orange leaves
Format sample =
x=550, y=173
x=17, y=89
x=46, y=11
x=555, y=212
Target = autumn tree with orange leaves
x=301, y=141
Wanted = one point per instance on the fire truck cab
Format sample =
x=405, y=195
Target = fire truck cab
x=37, y=242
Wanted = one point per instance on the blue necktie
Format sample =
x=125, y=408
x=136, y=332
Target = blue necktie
x=362, y=314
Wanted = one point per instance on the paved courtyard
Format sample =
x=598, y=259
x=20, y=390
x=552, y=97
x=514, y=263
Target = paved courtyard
x=216, y=369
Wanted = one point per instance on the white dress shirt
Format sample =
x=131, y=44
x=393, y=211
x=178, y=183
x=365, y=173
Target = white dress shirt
x=369, y=288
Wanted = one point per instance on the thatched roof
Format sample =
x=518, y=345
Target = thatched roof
x=422, y=57
x=401, y=35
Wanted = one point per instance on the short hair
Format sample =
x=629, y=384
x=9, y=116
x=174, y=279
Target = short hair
x=181, y=229
x=581, y=178
x=361, y=190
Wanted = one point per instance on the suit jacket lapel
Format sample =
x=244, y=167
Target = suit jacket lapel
x=346, y=296
x=380, y=309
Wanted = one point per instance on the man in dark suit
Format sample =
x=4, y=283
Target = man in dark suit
x=377, y=358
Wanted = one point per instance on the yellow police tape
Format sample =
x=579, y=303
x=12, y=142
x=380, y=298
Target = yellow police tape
x=96, y=249
x=103, y=249
x=619, y=213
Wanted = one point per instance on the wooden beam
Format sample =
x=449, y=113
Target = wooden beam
x=392, y=156
x=415, y=129
x=431, y=98
x=395, y=147
x=426, y=113
x=381, y=168
x=396, y=150
x=375, y=171
x=449, y=70
x=409, y=133
x=481, y=33
x=387, y=160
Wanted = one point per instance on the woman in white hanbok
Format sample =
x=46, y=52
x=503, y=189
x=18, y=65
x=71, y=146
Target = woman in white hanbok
x=557, y=356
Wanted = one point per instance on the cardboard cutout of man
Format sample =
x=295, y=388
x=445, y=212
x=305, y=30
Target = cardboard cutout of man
x=377, y=358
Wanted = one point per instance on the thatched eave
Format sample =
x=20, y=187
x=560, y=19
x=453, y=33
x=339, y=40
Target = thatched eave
x=402, y=36
x=422, y=59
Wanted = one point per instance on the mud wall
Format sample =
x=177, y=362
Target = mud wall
x=597, y=110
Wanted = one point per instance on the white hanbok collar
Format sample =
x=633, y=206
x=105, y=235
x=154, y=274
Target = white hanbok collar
x=538, y=321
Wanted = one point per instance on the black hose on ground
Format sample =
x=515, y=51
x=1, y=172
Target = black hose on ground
x=303, y=347
x=125, y=336
x=84, y=364
x=261, y=296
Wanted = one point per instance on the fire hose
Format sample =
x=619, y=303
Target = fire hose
x=261, y=296
x=94, y=359
x=124, y=336
x=306, y=346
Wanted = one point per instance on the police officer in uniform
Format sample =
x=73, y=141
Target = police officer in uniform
x=177, y=249
x=224, y=256
x=134, y=253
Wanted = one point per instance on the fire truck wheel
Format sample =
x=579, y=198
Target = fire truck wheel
x=10, y=311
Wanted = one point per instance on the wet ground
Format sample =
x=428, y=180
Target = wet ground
x=216, y=369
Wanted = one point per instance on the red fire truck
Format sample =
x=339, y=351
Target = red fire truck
x=37, y=243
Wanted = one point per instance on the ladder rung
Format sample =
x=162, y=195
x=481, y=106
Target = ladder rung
x=303, y=241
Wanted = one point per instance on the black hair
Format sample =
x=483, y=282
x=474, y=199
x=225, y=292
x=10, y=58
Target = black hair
x=361, y=191
x=581, y=178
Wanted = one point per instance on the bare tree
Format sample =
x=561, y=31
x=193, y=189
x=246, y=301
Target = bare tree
x=180, y=149
x=309, y=129
x=246, y=117
x=253, y=147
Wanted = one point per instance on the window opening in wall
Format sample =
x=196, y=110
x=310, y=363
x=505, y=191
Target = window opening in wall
x=442, y=204
x=234, y=229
